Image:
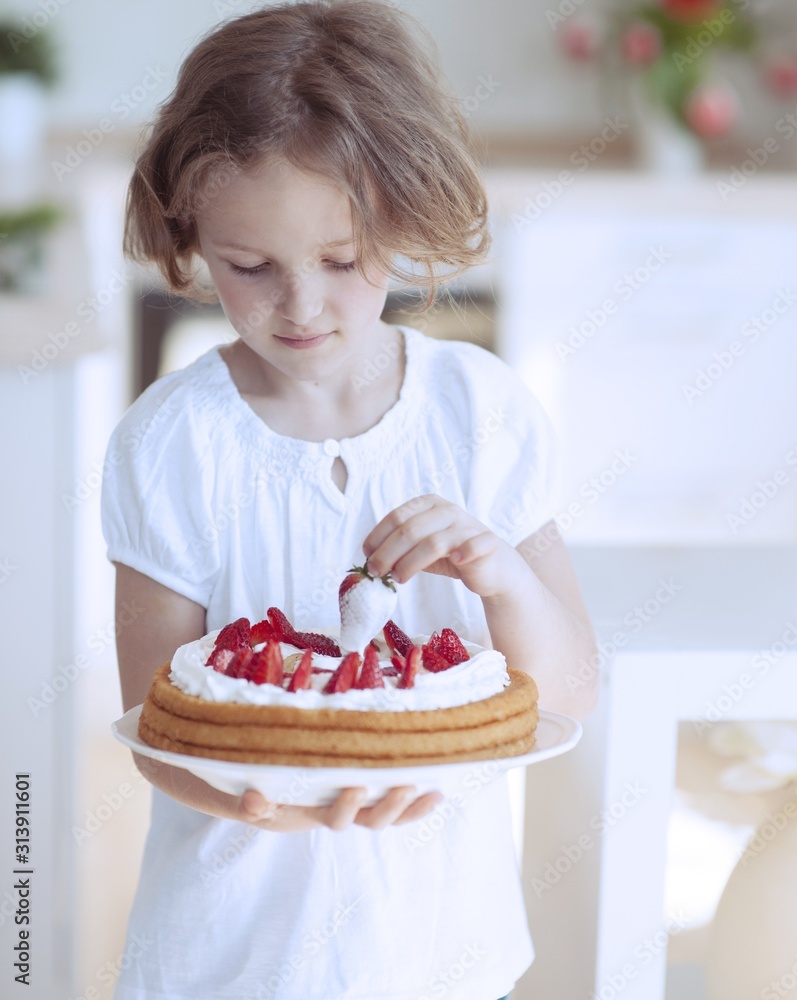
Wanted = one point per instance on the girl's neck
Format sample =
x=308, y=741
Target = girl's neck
x=310, y=410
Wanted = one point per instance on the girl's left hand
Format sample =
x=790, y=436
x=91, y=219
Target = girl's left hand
x=432, y=534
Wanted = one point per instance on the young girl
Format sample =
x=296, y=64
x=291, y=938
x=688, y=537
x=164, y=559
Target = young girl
x=307, y=149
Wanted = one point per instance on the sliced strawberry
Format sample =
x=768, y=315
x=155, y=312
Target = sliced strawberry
x=318, y=643
x=391, y=671
x=397, y=641
x=269, y=665
x=344, y=676
x=371, y=673
x=261, y=632
x=399, y=662
x=434, y=661
x=301, y=675
x=248, y=668
x=219, y=659
x=433, y=642
x=239, y=664
x=234, y=636
x=407, y=679
x=452, y=648
x=283, y=630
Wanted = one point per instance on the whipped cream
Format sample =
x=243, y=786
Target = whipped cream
x=482, y=676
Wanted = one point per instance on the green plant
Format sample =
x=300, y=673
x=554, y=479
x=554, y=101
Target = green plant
x=22, y=235
x=24, y=50
x=29, y=221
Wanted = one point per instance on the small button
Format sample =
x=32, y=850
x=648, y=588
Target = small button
x=332, y=447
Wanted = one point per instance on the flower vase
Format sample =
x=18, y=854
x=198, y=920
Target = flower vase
x=663, y=144
x=753, y=938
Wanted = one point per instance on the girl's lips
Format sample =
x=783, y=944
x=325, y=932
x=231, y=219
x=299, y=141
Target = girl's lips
x=303, y=345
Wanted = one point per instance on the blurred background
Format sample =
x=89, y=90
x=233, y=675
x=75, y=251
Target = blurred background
x=640, y=162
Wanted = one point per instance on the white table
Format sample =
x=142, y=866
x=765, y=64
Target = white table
x=601, y=927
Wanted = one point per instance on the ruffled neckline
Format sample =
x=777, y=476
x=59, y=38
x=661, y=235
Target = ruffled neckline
x=368, y=450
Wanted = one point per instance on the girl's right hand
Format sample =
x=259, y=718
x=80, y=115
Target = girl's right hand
x=400, y=805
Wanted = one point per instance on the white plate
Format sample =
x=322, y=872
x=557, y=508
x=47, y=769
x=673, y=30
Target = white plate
x=318, y=786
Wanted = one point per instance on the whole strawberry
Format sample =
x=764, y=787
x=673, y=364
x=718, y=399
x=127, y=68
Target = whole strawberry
x=366, y=603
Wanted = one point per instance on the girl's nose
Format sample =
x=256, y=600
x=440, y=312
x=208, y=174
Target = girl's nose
x=299, y=299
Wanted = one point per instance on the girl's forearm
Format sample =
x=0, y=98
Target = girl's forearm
x=198, y=794
x=539, y=635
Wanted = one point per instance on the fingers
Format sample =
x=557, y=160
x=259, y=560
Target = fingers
x=395, y=519
x=421, y=807
x=400, y=805
x=387, y=809
x=480, y=544
x=253, y=807
x=421, y=540
x=342, y=812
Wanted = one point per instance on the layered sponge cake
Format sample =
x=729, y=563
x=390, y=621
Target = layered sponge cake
x=267, y=694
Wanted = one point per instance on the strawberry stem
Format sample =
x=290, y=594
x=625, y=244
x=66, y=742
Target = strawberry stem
x=387, y=579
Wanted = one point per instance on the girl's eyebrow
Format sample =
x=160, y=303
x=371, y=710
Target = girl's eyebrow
x=239, y=246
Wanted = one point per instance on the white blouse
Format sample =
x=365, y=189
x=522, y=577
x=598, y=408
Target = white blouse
x=203, y=497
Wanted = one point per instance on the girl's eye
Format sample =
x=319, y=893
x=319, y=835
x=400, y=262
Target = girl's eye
x=237, y=269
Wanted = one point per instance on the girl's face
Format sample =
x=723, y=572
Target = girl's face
x=278, y=245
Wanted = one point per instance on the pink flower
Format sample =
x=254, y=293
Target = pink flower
x=641, y=43
x=780, y=76
x=691, y=11
x=579, y=38
x=711, y=110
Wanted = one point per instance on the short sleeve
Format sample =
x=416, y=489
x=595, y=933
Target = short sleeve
x=157, y=491
x=515, y=471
